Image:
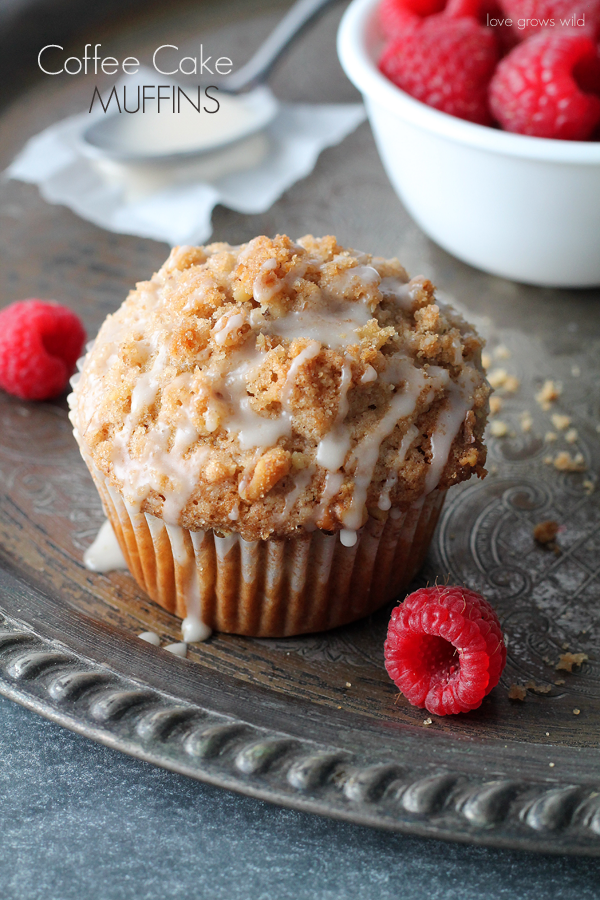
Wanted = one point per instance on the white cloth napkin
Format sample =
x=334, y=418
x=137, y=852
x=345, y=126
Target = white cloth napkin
x=173, y=202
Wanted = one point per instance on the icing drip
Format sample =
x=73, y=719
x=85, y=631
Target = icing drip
x=366, y=453
x=333, y=483
x=251, y=429
x=334, y=326
x=226, y=326
x=265, y=288
x=301, y=481
x=369, y=375
x=150, y=637
x=176, y=649
x=104, y=555
x=448, y=425
x=334, y=446
x=193, y=630
x=311, y=350
x=192, y=627
x=348, y=538
x=384, y=498
x=401, y=292
x=392, y=479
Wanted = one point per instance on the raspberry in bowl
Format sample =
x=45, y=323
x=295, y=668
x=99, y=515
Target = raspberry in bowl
x=522, y=207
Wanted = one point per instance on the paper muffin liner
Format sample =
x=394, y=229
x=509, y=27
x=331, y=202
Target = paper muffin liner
x=276, y=587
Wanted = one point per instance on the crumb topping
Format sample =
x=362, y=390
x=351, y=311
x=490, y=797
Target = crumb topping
x=279, y=386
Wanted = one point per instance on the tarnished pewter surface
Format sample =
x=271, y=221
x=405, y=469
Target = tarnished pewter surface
x=276, y=719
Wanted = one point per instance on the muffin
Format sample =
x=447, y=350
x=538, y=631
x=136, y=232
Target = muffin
x=272, y=429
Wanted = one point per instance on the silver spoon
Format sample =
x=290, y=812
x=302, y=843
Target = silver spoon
x=249, y=103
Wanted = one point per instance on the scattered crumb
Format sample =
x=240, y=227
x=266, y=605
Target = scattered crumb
x=498, y=428
x=502, y=352
x=564, y=462
x=550, y=392
x=486, y=360
x=571, y=436
x=550, y=437
x=559, y=681
x=516, y=692
x=567, y=660
x=512, y=384
x=551, y=765
x=545, y=532
x=547, y=660
x=538, y=688
x=427, y=722
x=497, y=377
x=493, y=469
x=348, y=684
x=576, y=711
x=496, y=405
x=565, y=646
x=575, y=371
x=547, y=734
x=589, y=486
x=560, y=421
x=526, y=421
x=548, y=460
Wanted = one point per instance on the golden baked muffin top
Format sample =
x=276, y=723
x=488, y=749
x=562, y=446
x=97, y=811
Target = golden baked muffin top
x=280, y=386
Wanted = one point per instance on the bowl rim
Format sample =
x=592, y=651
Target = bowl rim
x=358, y=64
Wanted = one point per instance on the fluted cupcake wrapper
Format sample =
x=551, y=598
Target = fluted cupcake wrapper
x=276, y=587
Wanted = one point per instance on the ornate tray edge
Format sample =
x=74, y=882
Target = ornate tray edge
x=77, y=693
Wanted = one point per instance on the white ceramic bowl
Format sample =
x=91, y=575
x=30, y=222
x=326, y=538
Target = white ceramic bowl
x=520, y=207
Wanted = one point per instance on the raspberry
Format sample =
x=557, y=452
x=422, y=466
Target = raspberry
x=445, y=62
x=540, y=87
x=40, y=342
x=395, y=15
x=444, y=649
x=532, y=16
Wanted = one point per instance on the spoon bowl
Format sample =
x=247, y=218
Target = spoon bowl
x=168, y=136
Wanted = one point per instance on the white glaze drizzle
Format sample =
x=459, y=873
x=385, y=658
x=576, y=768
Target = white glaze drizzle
x=193, y=628
x=448, y=425
x=384, y=501
x=334, y=446
x=399, y=290
x=369, y=375
x=392, y=479
x=227, y=325
x=348, y=537
x=178, y=649
x=104, y=554
x=366, y=452
x=150, y=637
x=301, y=482
x=333, y=325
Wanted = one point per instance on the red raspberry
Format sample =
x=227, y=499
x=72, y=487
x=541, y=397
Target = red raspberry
x=540, y=87
x=444, y=62
x=395, y=15
x=444, y=649
x=531, y=16
x=40, y=342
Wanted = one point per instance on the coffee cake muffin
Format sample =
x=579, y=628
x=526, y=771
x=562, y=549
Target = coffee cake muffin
x=272, y=429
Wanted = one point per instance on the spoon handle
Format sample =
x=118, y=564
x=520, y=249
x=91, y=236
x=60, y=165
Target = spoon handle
x=284, y=34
